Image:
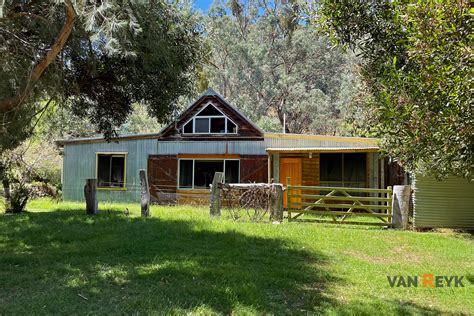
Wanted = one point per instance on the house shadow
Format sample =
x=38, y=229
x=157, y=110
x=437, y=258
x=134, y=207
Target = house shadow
x=110, y=263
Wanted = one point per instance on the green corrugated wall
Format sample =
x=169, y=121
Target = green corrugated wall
x=79, y=164
x=443, y=204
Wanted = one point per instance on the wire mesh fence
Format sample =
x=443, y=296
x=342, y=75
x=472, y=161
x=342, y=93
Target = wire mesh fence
x=253, y=203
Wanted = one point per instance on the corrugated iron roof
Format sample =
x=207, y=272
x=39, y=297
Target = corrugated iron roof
x=323, y=149
x=100, y=139
x=350, y=139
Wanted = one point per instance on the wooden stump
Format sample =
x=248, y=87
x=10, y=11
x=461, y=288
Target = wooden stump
x=145, y=194
x=400, y=206
x=90, y=194
x=215, y=207
x=277, y=202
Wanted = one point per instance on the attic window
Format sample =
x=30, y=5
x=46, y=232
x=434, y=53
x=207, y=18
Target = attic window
x=210, y=121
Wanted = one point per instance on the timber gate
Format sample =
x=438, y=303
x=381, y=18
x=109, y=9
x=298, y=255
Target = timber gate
x=339, y=205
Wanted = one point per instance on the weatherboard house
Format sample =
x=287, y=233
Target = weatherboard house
x=210, y=136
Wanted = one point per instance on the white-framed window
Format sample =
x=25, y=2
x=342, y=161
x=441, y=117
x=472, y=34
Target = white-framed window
x=198, y=173
x=210, y=120
x=111, y=170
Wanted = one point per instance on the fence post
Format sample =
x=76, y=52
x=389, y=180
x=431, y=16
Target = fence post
x=400, y=206
x=277, y=202
x=144, y=193
x=90, y=194
x=389, y=202
x=215, y=208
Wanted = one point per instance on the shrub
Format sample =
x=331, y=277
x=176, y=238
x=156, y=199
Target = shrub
x=19, y=195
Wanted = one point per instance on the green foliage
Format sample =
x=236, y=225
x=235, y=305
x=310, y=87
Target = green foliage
x=20, y=193
x=140, y=121
x=267, y=59
x=15, y=127
x=115, y=56
x=417, y=62
x=13, y=176
x=41, y=159
x=270, y=124
x=156, y=74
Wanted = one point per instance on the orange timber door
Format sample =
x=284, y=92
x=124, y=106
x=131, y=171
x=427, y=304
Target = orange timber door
x=290, y=167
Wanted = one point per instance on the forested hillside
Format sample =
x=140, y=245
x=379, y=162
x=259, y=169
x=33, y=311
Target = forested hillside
x=271, y=60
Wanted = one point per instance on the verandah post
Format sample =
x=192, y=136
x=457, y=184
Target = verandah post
x=215, y=207
x=400, y=206
x=90, y=194
x=144, y=193
x=288, y=197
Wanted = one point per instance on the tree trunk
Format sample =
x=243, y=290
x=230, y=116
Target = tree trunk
x=10, y=103
x=280, y=113
x=7, y=193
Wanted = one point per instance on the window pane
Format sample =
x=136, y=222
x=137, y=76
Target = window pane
x=117, y=171
x=232, y=171
x=103, y=170
x=202, y=125
x=231, y=128
x=188, y=128
x=209, y=110
x=217, y=125
x=204, y=172
x=355, y=167
x=331, y=167
x=186, y=174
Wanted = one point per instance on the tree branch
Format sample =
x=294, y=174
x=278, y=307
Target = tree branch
x=10, y=103
x=27, y=14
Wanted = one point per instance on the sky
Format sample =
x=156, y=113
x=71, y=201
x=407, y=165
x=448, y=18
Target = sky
x=202, y=4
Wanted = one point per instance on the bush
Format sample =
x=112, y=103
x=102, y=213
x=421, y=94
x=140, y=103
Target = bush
x=19, y=195
x=42, y=189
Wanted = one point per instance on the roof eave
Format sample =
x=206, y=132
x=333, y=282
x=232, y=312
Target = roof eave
x=324, y=150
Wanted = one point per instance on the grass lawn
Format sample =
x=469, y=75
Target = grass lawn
x=54, y=259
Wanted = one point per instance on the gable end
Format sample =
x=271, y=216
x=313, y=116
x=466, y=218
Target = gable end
x=245, y=128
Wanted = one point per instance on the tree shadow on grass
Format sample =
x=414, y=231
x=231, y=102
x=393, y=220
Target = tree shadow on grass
x=65, y=261
x=131, y=265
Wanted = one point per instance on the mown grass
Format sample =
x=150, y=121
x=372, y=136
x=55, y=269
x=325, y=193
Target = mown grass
x=54, y=259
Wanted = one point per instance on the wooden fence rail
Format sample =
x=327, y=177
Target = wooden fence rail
x=339, y=203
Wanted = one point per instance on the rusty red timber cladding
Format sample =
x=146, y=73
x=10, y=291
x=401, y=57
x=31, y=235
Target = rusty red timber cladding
x=163, y=169
x=246, y=130
x=163, y=175
x=253, y=168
